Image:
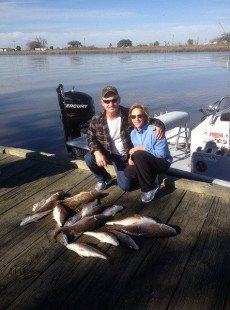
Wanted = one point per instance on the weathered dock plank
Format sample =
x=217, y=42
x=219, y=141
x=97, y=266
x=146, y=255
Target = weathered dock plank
x=188, y=271
x=28, y=184
x=76, y=280
x=12, y=172
x=39, y=256
x=168, y=258
x=144, y=266
x=12, y=216
x=198, y=187
x=13, y=243
x=206, y=278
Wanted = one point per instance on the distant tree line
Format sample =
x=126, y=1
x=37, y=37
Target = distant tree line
x=40, y=42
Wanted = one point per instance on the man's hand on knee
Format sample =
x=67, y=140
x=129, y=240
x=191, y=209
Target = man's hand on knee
x=100, y=159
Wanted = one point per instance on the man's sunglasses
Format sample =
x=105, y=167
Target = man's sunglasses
x=137, y=116
x=107, y=101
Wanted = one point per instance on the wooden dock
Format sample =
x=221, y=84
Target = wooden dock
x=188, y=271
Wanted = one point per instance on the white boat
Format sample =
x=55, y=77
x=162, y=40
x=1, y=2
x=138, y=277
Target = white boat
x=201, y=153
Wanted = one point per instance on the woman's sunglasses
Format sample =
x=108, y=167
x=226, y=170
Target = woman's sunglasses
x=137, y=116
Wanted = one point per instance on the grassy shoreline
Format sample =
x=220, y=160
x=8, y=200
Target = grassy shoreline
x=138, y=49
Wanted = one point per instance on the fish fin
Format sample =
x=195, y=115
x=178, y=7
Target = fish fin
x=53, y=224
x=57, y=232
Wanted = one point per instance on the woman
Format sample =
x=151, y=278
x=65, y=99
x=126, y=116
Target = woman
x=149, y=156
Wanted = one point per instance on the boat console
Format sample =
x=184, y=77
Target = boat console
x=210, y=143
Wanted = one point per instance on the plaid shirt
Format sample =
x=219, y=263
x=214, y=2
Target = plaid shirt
x=98, y=133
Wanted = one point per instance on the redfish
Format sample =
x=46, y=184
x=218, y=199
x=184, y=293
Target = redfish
x=91, y=209
x=85, y=210
x=85, y=250
x=125, y=239
x=82, y=197
x=62, y=213
x=133, y=220
x=85, y=224
x=113, y=210
x=104, y=237
x=48, y=203
x=147, y=230
x=61, y=238
x=34, y=217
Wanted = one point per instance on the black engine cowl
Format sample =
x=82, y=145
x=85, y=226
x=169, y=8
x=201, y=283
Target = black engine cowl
x=77, y=108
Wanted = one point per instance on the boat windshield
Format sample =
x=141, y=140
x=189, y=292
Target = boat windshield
x=224, y=103
x=224, y=109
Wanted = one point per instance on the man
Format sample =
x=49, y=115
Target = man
x=109, y=140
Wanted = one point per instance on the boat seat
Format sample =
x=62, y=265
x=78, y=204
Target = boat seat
x=176, y=126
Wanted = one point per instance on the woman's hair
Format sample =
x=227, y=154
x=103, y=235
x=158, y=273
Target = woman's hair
x=144, y=111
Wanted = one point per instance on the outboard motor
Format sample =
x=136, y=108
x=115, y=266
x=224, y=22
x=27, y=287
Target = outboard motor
x=77, y=109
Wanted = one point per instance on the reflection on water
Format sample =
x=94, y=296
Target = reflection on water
x=38, y=62
x=162, y=81
x=75, y=60
x=124, y=58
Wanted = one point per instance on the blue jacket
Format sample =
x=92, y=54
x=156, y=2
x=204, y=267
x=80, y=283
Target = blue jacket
x=147, y=137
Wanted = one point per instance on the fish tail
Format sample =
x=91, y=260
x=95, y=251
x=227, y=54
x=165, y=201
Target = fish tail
x=50, y=235
x=57, y=232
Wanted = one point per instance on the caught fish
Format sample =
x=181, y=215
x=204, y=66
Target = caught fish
x=85, y=224
x=125, y=239
x=133, y=220
x=73, y=219
x=62, y=213
x=82, y=197
x=85, y=250
x=113, y=210
x=88, y=209
x=47, y=203
x=103, y=236
x=147, y=230
x=34, y=217
x=93, y=203
x=61, y=238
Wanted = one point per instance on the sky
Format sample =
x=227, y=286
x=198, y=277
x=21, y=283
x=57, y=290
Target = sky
x=103, y=22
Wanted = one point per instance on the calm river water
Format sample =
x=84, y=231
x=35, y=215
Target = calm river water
x=29, y=109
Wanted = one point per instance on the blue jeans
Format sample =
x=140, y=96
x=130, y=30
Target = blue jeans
x=101, y=174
